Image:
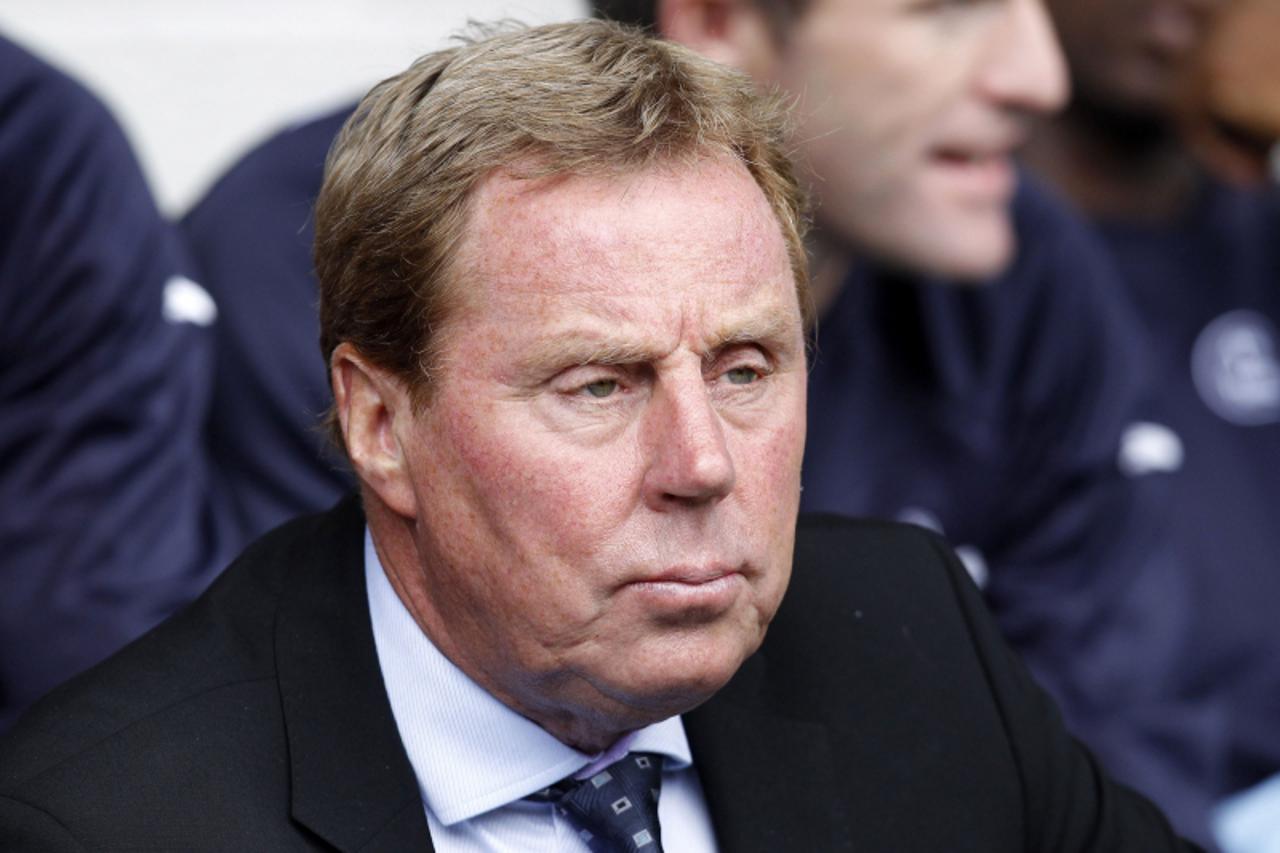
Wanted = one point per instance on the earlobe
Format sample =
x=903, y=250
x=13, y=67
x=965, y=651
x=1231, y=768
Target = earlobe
x=368, y=401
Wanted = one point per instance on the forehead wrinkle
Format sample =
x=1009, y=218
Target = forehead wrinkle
x=619, y=249
x=755, y=307
x=604, y=251
x=570, y=261
x=617, y=341
x=560, y=259
x=600, y=325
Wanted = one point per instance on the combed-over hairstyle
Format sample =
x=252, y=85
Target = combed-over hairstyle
x=583, y=98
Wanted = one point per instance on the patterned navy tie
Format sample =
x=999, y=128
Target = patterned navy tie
x=616, y=810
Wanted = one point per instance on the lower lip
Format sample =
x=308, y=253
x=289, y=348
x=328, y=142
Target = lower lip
x=713, y=594
x=981, y=178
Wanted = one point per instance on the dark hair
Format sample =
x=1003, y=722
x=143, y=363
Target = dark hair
x=636, y=13
x=644, y=13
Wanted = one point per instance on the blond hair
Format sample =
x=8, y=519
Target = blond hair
x=589, y=97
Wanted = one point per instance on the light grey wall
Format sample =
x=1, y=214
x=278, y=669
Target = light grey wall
x=196, y=83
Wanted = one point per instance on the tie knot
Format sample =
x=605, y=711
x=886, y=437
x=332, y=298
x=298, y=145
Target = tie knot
x=615, y=810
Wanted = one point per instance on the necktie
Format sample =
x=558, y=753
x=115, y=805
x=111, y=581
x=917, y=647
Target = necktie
x=616, y=810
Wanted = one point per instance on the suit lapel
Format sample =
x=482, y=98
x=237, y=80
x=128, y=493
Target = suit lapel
x=767, y=778
x=351, y=782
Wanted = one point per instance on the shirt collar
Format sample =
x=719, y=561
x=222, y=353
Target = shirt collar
x=470, y=752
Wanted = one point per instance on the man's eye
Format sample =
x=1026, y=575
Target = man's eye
x=601, y=388
x=742, y=375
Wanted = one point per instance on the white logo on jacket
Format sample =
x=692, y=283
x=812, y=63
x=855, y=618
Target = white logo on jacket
x=1148, y=448
x=1235, y=368
x=187, y=302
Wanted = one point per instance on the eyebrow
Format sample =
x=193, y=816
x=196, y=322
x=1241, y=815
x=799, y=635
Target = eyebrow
x=578, y=347
x=573, y=347
x=777, y=327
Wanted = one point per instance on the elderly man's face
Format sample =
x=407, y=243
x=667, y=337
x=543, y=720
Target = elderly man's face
x=606, y=478
x=908, y=113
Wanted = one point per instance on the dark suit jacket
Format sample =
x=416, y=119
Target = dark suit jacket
x=883, y=713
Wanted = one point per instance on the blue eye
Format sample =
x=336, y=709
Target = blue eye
x=742, y=375
x=601, y=388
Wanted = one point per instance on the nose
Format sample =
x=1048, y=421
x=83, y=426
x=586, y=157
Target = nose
x=689, y=463
x=1023, y=67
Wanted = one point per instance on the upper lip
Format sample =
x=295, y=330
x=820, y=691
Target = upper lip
x=688, y=574
x=978, y=145
x=979, y=150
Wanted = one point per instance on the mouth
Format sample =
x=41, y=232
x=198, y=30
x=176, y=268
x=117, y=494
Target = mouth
x=705, y=589
x=690, y=575
x=978, y=174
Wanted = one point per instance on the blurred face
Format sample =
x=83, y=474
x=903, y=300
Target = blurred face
x=1128, y=55
x=908, y=113
x=606, y=477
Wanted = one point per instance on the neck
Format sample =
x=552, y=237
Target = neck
x=1113, y=166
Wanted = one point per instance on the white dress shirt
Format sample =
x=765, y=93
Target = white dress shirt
x=476, y=759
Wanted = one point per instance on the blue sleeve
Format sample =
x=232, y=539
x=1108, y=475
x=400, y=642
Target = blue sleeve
x=1086, y=580
x=1070, y=803
x=106, y=525
x=998, y=414
x=251, y=239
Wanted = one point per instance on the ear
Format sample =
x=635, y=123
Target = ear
x=732, y=32
x=369, y=402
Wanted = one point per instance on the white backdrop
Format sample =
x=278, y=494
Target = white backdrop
x=196, y=83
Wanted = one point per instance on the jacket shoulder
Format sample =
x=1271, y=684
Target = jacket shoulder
x=215, y=654
x=880, y=603
x=864, y=558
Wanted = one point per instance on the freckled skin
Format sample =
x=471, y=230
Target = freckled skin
x=589, y=432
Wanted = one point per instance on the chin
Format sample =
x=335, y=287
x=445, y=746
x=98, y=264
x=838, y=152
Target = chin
x=975, y=270
x=960, y=243
x=676, y=679
x=968, y=256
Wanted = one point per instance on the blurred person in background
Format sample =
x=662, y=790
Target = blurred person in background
x=1165, y=147
x=105, y=522
x=974, y=370
x=250, y=237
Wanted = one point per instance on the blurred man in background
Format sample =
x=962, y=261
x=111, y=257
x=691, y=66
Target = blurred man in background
x=106, y=524
x=1165, y=148
x=251, y=238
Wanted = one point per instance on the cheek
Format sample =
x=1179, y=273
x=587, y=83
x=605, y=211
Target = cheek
x=770, y=496
x=768, y=465
x=863, y=148
x=534, y=489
